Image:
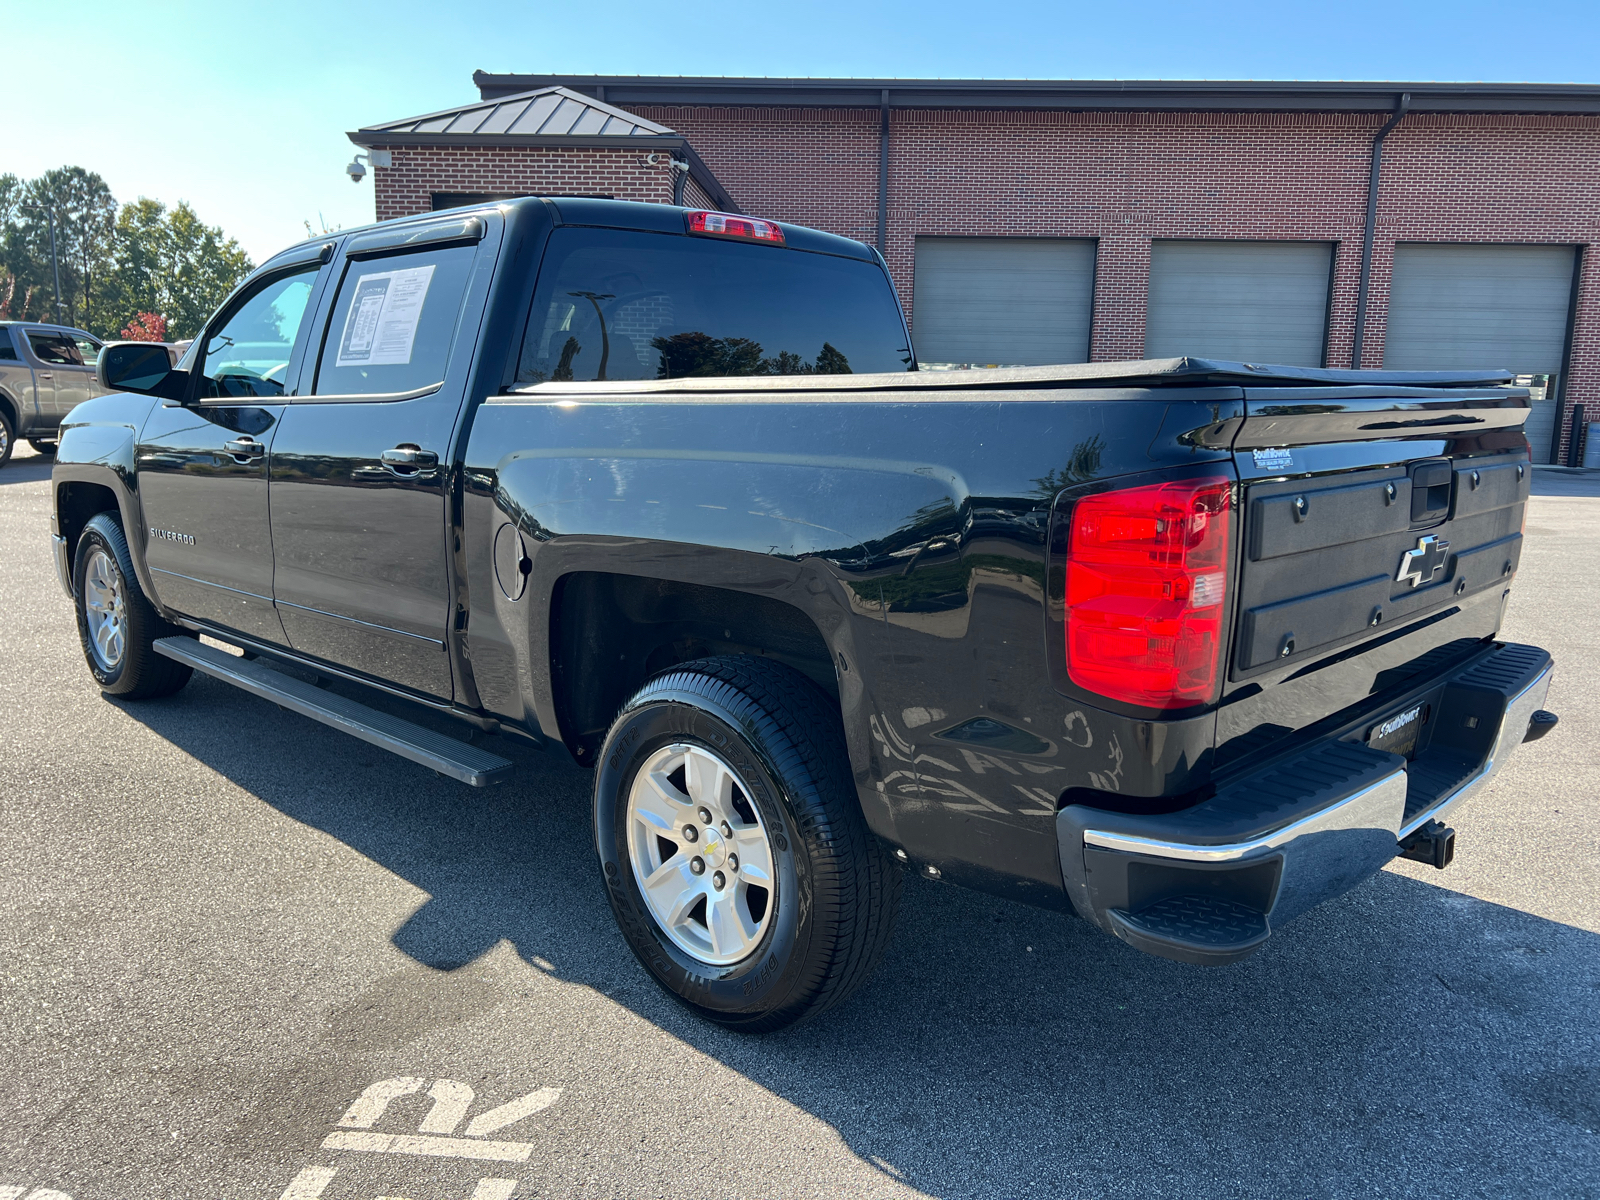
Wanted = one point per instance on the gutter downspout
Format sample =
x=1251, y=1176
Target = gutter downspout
x=1400, y=108
x=883, y=174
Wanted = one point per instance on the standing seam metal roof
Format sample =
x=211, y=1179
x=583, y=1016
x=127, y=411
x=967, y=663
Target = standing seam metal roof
x=543, y=112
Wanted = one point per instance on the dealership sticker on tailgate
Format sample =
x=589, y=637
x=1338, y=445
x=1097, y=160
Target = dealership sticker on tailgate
x=1398, y=734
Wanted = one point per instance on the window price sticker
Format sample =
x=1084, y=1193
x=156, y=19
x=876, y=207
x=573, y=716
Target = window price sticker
x=381, y=325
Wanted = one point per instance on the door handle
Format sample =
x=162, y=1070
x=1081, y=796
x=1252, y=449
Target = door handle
x=408, y=460
x=245, y=447
x=46, y=375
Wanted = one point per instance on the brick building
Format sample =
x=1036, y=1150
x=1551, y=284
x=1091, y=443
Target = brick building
x=1035, y=222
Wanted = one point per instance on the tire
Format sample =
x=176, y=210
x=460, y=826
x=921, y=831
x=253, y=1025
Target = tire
x=40, y=446
x=826, y=918
x=117, y=625
x=8, y=437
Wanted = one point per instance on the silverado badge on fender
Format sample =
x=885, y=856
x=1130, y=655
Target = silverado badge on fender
x=1422, y=564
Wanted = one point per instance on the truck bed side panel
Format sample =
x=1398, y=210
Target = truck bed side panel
x=925, y=579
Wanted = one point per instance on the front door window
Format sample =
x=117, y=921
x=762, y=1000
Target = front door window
x=248, y=354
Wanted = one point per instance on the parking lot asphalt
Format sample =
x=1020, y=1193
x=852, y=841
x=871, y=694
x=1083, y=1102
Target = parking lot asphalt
x=222, y=923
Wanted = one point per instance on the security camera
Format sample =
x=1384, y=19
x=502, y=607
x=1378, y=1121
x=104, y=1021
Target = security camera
x=357, y=170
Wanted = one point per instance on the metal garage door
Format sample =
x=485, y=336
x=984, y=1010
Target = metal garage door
x=1484, y=306
x=1259, y=302
x=1002, y=302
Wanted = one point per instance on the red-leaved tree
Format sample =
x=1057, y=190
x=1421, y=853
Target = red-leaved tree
x=146, y=327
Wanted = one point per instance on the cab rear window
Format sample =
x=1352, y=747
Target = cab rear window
x=621, y=305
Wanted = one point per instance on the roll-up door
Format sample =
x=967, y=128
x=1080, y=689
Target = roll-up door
x=1002, y=302
x=1485, y=306
x=1257, y=302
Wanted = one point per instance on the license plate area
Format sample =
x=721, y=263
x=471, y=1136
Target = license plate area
x=1398, y=732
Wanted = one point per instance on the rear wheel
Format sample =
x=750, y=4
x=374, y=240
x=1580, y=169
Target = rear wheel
x=117, y=625
x=41, y=446
x=8, y=436
x=734, y=852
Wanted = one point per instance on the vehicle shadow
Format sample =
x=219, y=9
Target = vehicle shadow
x=1404, y=1040
x=26, y=467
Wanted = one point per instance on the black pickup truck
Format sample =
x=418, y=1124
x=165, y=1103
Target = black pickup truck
x=1183, y=647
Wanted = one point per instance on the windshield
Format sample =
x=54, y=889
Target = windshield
x=617, y=305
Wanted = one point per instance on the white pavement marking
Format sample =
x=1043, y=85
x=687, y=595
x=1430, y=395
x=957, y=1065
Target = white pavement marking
x=487, y=1189
x=512, y=1112
x=369, y=1106
x=439, y=1147
x=450, y=1103
x=11, y=1192
x=47, y=1194
x=308, y=1185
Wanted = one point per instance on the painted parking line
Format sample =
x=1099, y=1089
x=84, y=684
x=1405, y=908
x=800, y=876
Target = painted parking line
x=439, y=1147
x=435, y=1137
x=487, y=1189
x=12, y=1191
x=310, y=1183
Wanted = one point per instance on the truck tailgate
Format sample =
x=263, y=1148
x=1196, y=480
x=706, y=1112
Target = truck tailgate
x=1380, y=532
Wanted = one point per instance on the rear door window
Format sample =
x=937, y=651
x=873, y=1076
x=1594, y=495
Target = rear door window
x=8, y=352
x=394, y=322
x=56, y=349
x=620, y=305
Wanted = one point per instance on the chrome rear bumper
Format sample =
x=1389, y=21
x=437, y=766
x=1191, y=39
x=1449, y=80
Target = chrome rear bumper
x=1208, y=884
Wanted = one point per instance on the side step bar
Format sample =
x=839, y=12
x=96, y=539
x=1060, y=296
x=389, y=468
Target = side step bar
x=446, y=755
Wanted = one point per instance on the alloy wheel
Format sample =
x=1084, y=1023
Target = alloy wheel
x=105, y=610
x=701, y=856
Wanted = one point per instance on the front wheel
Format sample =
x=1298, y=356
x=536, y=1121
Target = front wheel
x=42, y=446
x=117, y=625
x=733, y=848
x=8, y=435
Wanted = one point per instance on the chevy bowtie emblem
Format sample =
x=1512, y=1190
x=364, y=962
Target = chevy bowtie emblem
x=1419, y=566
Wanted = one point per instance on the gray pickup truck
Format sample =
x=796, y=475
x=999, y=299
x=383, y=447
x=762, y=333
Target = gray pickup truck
x=1182, y=647
x=45, y=372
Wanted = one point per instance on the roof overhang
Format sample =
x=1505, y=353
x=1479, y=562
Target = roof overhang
x=1069, y=94
x=670, y=143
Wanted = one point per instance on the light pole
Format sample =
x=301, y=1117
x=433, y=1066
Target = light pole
x=55, y=265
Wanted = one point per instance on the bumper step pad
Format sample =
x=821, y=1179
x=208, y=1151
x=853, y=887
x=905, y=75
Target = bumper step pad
x=437, y=751
x=1204, y=930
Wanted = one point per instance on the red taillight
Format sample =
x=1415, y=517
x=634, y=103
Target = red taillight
x=1146, y=576
x=730, y=225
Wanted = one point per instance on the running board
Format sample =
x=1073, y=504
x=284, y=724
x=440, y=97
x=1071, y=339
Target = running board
x=446, y=755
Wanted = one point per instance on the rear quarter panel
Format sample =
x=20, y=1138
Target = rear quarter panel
x=912, y=534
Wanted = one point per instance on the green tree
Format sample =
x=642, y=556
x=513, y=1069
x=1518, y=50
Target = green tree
x=172, y=263
x=25, y=292
x=85, y=213
x=115, y=264
x=205, y=266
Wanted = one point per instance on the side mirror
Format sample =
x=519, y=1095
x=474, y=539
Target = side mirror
x=140, y=367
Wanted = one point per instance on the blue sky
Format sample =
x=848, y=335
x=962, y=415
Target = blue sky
x=242, y=109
